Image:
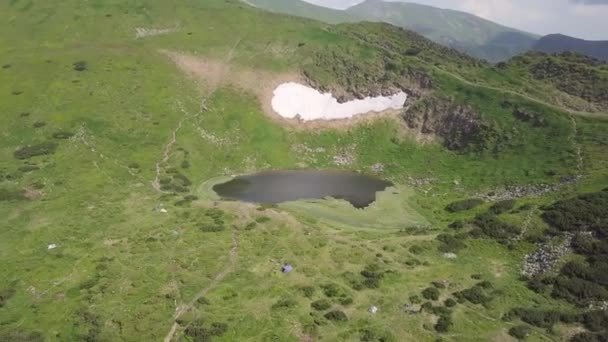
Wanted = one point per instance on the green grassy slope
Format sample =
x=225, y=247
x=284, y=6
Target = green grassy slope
x=105, y=107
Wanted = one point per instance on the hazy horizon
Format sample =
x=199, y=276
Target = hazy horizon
x=578, y=18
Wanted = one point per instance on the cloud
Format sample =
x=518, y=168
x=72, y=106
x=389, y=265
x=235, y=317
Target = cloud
x=589, y=2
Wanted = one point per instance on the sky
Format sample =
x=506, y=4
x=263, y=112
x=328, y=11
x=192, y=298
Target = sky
x=586, y=19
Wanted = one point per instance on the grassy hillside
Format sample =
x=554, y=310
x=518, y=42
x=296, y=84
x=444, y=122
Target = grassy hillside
x=118, y=115
x=465, y=32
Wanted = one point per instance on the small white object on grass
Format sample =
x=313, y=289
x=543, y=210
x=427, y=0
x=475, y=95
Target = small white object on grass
x=163, y=210
x=450, y=255
x=51, y=246
x=373, y=309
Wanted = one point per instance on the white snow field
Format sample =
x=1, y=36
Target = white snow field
x=292, y=99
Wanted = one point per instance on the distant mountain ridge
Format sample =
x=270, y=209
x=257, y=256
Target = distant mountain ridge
x=465, y=32
x=558, y=43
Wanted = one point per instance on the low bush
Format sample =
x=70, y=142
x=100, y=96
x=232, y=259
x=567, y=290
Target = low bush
x=450, y=303
x=336, y=315
x=284, y=304
x=40, y=149
x=431, y=293
x=321, y=304
x=450, y=243
x=502, y=207
x=520, y=332
x=491, y=226
x=443, y=324
x=80, y=65
x=308, y=291
x=463, y=205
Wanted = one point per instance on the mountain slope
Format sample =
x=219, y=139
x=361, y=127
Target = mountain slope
x=557, y=43
x=467, y=33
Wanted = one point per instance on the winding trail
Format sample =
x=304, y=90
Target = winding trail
x=167, y=154
x=232, y=259
x=203, y=108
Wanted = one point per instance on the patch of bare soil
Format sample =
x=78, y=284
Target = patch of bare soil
x=211, y=74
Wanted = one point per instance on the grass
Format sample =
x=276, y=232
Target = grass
x=129, y=264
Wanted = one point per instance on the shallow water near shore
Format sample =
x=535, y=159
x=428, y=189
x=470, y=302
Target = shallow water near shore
x=284, y=186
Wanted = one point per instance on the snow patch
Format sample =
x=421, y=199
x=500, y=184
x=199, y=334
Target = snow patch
x=293, y=99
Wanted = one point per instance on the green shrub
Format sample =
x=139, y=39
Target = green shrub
x=443, y=324
x=502, y=207
x=39, y=124
x=308, y=291
x=493, y=227
x=336, y=315
x=30, y=151
x=80, y=66
x=416, y=249
x=284, y=304
x=456, y=225
x=475, y=295
x=536, y=317
x=5, y=295
x=415, y=299
x=321, y=304
x=450, y=243
x=450, y=303
x=520, y=332
x=262, y=219
x=431, y=293
x=463, y=205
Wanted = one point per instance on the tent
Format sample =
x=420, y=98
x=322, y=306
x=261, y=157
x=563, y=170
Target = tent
x=287, y=268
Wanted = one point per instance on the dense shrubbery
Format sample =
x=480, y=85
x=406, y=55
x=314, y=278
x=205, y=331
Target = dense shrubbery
x=583, y=213
x=581, y=283
x=5, y=295
x=491, y=226
x=321, y=304
x=541, y=318
x=478, y=294
x=431, y=293
x=284, y=303
x=463, y=205
x=502, y=207
x=450, y=243
x=198, y=332
x=30, y=151
x=80, y=66
x=336, y=315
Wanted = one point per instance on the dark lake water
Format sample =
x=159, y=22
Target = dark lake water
x=283, y=186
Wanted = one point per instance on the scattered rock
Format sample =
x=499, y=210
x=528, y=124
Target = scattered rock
x=378, y=168
x=51, y=246
x=545, y=257
x=450, y=255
